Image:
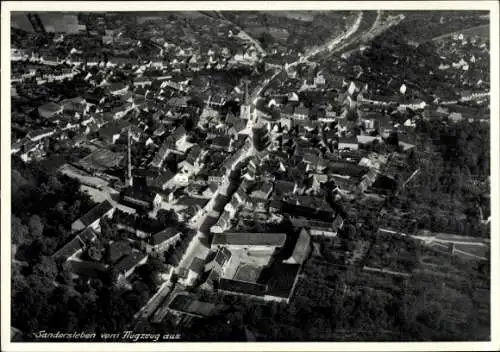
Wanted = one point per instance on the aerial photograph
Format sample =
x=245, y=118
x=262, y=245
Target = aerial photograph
x=250, y=176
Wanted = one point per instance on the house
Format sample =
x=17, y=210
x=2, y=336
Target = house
x=406, y=142
x=138, y=197
x=221, y=259
x=163, y=240
x=349, y=143
x=92, y=218
x=120, y=111
x=142, y=82
x=266, y=242
x=301, y=113
x=178, y=134
x=455, y=117
x=111, y=132
x=161, y=154
x=75, y=105
x=223, y=224
x=221, y=142
x=126, y=266
x=241, y=287
x=118, y=88
x=40, y=134
x=263, y=192
x=302, y=248
x=164, y=180
x=76, y=245
x=366, y=139
x=196, y=269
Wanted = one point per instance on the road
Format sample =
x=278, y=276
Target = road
x=197, y=247
x=245, y=35
x=334, y=42
x=255, y=42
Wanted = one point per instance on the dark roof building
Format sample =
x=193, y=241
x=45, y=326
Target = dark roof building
x=242, y=287
x=197, y=266
x=93, y=216
x=162, y=236
x=245, y=239
x=302, y=248
x=126, y=265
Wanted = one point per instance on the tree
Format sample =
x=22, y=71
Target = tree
x=36, y=226
x=46, y=268
x=19, y=231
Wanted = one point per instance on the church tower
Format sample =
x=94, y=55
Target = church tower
x=245, y=107
x=129, y=179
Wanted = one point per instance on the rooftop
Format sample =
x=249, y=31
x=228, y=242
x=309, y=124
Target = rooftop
x=250, y=239
x=96, y=213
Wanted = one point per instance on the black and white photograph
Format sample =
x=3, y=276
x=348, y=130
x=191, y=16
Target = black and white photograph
x=198, y=174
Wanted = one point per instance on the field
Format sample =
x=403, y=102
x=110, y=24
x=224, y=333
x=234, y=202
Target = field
x=471, y=252
x=101, y=159
x=393, y=252
x=247, y=272
x=53, y=22
x=84, y=178
x=481, y=31
x=306, y=16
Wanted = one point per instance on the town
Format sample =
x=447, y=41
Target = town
x=191, y=164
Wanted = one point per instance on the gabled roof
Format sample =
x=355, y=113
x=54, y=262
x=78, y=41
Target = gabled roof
x=178, y=133
x=222, y=256
x=189, y=201
x=302, y=248
x=161, y=179
x=283, y=187
x=163, y=236
x=197, y=265
x=128, y=262
x=249, y=239
x=242, y=287
x=69, y=248
x=116, y=86
x=96, y=213
x=348, y=140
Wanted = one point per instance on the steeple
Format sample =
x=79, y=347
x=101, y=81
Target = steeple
x=245, y=107
x=129, y=179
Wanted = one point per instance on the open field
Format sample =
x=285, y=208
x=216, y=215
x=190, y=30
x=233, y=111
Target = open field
x=247, y=272
x=84, y=178
x=101, y=159
x=482, y=31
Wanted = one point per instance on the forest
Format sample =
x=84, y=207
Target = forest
x=43, y=297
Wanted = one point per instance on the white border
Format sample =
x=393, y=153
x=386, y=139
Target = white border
x=9, y=6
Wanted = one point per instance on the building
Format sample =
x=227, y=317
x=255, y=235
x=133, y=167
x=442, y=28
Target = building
x=196, y=269
x=163, y=240
x=254, y=241
x=93, y=218
x=126, y=266
x=38, y=135
x=140, y=198
x=302, y=248
x=76, y=246
x=349, y=143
